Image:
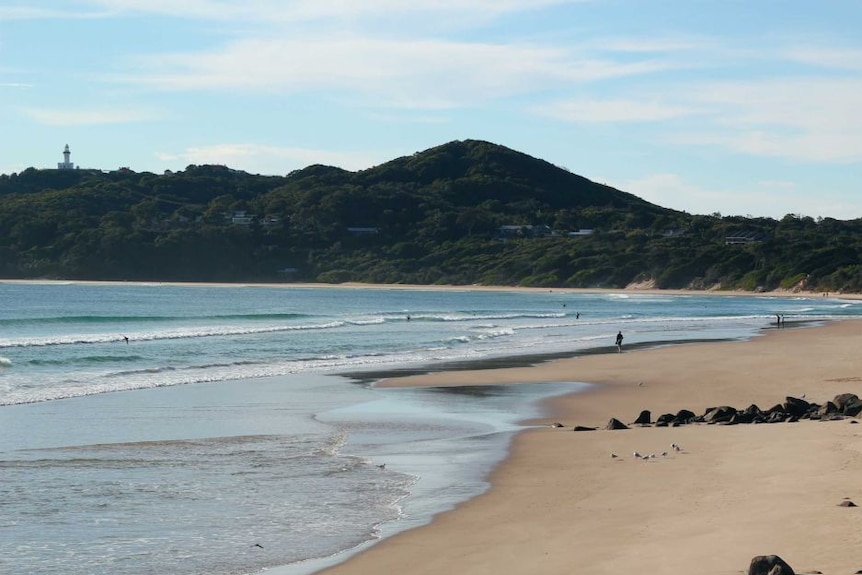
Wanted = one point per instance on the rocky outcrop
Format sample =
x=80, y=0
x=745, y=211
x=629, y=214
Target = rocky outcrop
x=848, y=404
x=615, y=423
x=793, y=409
x=719, y=414
x=645, y=418
x=769, y=565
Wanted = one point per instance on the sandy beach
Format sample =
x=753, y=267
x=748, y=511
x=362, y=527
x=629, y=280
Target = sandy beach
x=561, y=504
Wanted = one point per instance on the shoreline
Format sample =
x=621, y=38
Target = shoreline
x=709, y=505
x=633, y=289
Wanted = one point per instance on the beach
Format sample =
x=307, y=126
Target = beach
x=561, y=504
x=303, y=387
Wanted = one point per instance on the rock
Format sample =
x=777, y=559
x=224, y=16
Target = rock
x=769, y=565
x=743, y=417
x=664, y=420
x=775, y=417
x=843, y=399
x=847, y=503
x=795, y=406
x=777, y=408
x=615, y=423
x=827, y=408
x=582, y=428
x=719, y=414
x=753, y=410
x=557, y=424
x=684, y=416
x=644, y=418
x=852, y=408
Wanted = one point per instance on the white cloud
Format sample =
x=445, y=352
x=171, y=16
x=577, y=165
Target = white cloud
x=92, y=117
x=769, y=198
x=826, y=57
x=262, y=159
x=428, y=74
x=306, y=10
x=807, y=119
x=595, y=111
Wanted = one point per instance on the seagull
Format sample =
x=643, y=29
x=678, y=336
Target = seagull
x=676, y=447
x=258, y=545
x=613, y=455
x=636, y=454
x=382, y=466
x=664, y=453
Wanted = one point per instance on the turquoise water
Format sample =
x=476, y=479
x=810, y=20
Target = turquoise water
x=220, y=439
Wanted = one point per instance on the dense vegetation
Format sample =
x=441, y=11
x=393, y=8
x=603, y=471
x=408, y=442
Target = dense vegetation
x=466, y=212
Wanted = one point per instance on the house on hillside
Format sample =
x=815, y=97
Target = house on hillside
x=241, y=218
x=540, y=231
x=362, y=231
x=744, y=238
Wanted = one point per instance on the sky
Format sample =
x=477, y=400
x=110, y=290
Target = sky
x=738, y=107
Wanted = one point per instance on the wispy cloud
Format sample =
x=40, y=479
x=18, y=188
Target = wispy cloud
x=264, y=159
x=430, y=74
x=306, y=10
x=807, y=119
x=767, y=198
x=606, y=111
x=828, y=57
x=62, y=117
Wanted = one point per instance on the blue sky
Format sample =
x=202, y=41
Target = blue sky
x=738, y=107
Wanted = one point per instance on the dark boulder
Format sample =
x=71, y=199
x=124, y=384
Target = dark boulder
x=843, y=399
x=664, y=420
x=776, y=417
x=795, y=406
x=852, y=408
x=769, y=565
x=684, y=416
x=846, y=503
x=743, y=417
x=753, y=410
x=827, y=408
x=583, y=428
x=777, y=408
x=719, y=414
x=645, y=418
x=615, y=423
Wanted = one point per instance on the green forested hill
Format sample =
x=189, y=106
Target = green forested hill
x=467, y=212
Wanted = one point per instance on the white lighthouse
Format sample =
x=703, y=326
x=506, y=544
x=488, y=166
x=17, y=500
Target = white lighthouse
x=66, y=164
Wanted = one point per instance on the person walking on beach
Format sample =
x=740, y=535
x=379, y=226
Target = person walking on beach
x=619, y=342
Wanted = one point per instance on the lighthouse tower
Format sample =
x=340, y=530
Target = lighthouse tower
x=66, y=164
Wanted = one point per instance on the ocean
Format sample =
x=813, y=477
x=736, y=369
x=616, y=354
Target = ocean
x=164, y=429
